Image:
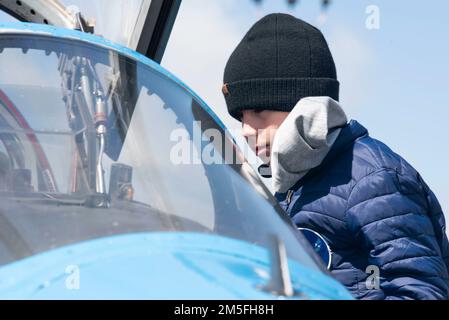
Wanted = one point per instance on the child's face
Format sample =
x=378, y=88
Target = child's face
x=259, y=128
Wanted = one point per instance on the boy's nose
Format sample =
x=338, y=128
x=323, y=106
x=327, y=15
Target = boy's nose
x=248, y=131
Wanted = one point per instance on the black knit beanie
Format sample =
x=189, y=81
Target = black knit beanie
x=280, y=60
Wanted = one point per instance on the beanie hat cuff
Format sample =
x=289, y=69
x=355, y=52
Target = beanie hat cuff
x=277, y=94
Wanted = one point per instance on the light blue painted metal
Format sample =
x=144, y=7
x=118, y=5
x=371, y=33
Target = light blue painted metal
x=171, y=265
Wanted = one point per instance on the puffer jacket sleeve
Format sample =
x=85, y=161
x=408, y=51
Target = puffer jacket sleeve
x=388, y=216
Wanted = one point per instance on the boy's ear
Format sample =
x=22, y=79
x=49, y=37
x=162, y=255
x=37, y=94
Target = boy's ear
x=225, y=89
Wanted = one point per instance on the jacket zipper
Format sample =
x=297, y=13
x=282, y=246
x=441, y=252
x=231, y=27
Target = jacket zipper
x=289, y=198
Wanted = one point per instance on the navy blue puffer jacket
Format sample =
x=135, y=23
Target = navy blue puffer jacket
x=375, y=210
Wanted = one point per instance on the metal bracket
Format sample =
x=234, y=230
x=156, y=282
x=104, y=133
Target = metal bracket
x=39, y=11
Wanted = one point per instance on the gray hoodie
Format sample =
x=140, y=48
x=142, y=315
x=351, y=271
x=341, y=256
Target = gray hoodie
x=303, y=140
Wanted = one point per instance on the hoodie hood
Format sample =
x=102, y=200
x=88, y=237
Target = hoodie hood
x=304, y=139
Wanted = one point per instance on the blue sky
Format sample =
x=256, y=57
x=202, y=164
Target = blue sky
x=394, y=80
